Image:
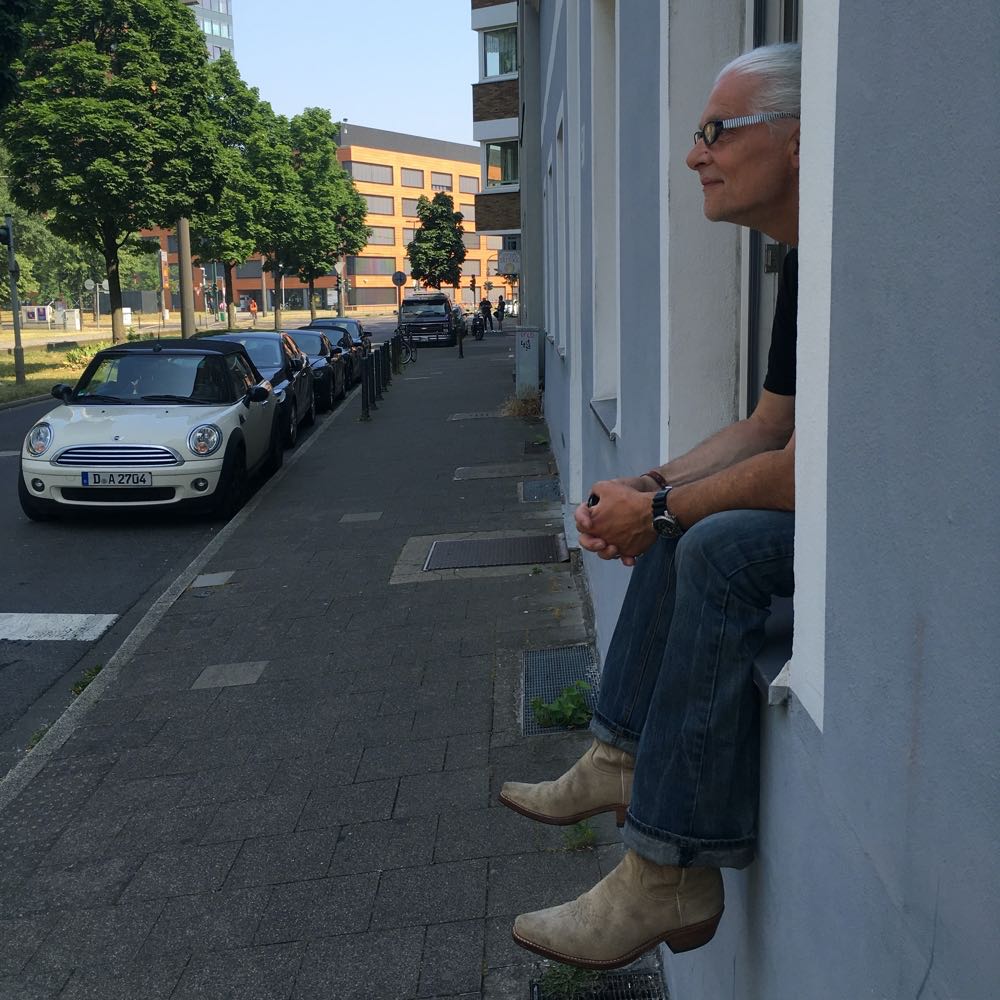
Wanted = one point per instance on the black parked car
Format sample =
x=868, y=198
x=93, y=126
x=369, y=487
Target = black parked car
x=287, y=368
x=346, y=335
x=327, y=363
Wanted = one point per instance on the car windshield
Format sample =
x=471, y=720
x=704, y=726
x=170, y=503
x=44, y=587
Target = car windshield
x=424, y=309
x=138, y=378
x=263, y=353
x=311, y=343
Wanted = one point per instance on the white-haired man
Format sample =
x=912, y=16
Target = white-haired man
x=709, y=535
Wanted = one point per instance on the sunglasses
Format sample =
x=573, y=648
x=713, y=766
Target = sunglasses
x=710, y=131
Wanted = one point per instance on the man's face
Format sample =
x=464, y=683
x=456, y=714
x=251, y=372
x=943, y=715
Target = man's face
x=749, y=175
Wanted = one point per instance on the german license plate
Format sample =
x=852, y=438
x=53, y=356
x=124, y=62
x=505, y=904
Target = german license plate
x=117, y=478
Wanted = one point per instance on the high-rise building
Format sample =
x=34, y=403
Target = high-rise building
x=215, y=18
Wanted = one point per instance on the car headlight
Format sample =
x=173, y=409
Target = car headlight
x=205, y=440
x=38, y=440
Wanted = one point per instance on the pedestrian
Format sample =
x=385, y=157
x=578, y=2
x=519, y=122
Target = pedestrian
x=487, y=310
x=501, y=310
x=253, y=312
x=709, y=536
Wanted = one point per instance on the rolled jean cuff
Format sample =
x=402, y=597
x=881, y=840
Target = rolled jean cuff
x=664, y=848
x=617, y=738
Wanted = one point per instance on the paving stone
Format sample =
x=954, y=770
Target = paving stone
x=337, y=765
x=258, y=817
x=290, y=857
x=422, y=895
x=32, y=987
x=208, y=921
x=535, y=881
x=379, y=731
x=182, y=871
x=21, y=938
x=382, y=964
x=97, y=934
x=398, y=843
x=202, y=755
x=154, y=980
x=442, y=791
x=452, y=722
x=109, y=737
x=318, y=908
x=341, y=804
x=490, y=832
x=176, y=704
x=227, y=784
x=501, y=948
x=88, y=883
x=155, y=829
x=453, y=958
x=228, y=674
x=266, y=973
x=470, y=750
x=89, y=836
x=128, y=797
x=405, y=757
x=212, y=579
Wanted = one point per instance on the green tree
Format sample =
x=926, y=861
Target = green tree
x=110, y=131
x=436, y=251
x=334, y=222
x=227, y=233
x=13, y=14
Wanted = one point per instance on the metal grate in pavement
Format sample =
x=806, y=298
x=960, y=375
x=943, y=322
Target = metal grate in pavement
x=611, y=986
x=476, y=415
x=534, y=490
x=547, y=672
x=515, y=550
x=533, y=467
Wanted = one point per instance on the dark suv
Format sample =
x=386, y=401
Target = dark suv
x=429, y=319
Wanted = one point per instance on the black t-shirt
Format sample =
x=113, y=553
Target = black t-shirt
x=780, y=376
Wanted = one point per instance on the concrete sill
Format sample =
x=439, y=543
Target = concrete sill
x=769, y=669
x=606, y=411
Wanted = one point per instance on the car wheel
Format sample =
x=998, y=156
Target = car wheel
x=291, y=432
x=34, y=507
x=275, y=451
x=231, y=493
x=310, y=418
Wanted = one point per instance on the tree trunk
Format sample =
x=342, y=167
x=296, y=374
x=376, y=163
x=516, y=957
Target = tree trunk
x=230, y=281
x=114, y=291
x=312, y=299
x=276, y=276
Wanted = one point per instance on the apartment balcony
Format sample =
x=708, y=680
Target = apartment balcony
x=493, y=100
x=498, y=211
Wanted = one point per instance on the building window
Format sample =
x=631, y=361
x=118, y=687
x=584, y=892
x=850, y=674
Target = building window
x=379, y=204
x=172, y=243
x=408, y=235
x=411, y=178
x=382, y=236
x=468, y=212
x=440, y=182
x=472, y=266
x=471, y=241
x=374, y=173
x=217, y=51
x=494, y=242
x=468, y=185
x=251, y=269
x=410, y=207
x=371, y=297
x=501, y=163
x=370, y=265
x=500, y=51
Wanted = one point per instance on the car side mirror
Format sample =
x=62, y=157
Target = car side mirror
x=336, y=351
x=62, y=392
x=257, y=394
x=297, y=364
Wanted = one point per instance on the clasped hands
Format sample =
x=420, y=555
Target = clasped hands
x=617, y=521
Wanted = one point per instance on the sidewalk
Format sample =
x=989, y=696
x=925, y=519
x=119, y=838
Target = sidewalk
x=316, y=817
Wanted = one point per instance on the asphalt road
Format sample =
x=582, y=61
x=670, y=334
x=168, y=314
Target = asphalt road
x=115, y=563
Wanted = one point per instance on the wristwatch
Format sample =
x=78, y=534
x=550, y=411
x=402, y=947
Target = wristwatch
x=664, y=523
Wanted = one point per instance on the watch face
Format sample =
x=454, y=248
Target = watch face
x=666, y=526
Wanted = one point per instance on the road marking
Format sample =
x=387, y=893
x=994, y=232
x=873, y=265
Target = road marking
x=61, y=628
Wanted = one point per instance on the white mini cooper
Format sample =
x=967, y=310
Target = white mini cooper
x=154, y=423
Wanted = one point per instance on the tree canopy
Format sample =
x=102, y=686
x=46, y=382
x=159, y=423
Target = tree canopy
x=437, y=251
x=110, y=131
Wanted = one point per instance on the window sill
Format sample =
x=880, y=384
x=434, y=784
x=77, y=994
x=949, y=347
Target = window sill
x=606, y=411
x=499, y=78
x=507, y=188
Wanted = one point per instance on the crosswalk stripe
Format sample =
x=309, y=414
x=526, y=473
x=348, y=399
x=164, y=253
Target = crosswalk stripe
x=38, y=627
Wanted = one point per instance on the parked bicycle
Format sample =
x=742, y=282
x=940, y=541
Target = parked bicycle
x=407, y=348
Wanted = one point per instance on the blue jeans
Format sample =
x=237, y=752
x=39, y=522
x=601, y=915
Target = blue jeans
x=677, y=689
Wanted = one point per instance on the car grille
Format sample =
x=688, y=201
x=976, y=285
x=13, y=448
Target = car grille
x=99, y=455
x=141, y=494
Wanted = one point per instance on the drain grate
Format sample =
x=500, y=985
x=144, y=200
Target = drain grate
x=611, y=986
x=516, y=550
x=476, y=415
x=547, y=672
x=534, y=490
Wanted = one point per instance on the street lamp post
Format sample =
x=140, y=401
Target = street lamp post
x=7, y=236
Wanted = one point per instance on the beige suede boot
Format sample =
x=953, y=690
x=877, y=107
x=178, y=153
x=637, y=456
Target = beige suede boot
x=601, y=780
x=626, y=914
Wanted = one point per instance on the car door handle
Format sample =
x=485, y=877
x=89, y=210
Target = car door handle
x=243, y=419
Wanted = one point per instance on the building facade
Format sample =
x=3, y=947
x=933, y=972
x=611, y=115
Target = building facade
x=879, y=800
x=215, y=18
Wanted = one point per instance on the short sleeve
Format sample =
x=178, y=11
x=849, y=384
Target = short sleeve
x=780, y=377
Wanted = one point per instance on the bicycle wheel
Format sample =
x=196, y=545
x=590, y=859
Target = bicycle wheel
x=405, y=353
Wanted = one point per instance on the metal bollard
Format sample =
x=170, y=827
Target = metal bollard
x=365, y=401
x=371, y=382
x=377, y=354
x=387, y=364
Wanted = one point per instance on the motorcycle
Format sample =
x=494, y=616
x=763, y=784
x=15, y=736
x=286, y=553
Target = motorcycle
x=478, y=326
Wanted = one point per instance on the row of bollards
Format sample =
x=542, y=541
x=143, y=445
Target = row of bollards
x=377, y=366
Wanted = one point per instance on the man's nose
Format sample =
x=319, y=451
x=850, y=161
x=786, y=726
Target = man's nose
x=697, y=155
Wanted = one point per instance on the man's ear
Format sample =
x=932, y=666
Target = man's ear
x=793, y=147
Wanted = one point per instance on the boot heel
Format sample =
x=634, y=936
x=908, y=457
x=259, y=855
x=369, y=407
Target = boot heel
x=620, y=815
x=689, y=938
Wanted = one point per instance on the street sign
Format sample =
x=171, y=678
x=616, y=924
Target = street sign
x=398, y=278
x=509, y=261
x=89, y=284
x=104, y=285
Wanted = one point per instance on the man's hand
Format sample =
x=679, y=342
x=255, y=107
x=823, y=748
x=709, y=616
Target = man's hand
x=619, y=524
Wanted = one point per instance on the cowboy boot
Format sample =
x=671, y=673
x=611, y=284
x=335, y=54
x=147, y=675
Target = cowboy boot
x=601, y=780
x=632, y=910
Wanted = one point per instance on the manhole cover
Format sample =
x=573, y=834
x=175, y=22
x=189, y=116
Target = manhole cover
x=534, y=490
x=516, y=550
x=535, y=467
x=547, y=673
x=609, y=986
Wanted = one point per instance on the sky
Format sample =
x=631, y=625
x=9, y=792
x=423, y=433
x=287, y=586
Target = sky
x=389, y=64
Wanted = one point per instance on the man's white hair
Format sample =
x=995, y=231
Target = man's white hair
x=778, y=68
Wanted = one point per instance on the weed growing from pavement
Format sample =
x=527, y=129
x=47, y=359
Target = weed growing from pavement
x=579, y=837
x=522, y=406
x=565, y=982
x=570, y=709
x=88, y=675
x=37, y=735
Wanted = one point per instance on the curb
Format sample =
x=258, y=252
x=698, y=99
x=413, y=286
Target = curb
x=14, y=403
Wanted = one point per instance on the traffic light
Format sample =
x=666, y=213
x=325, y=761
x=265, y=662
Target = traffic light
x=5, y=235
x=472, y=282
